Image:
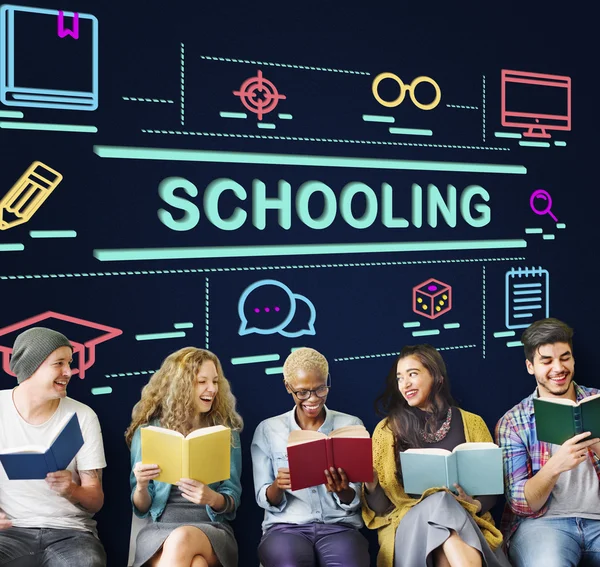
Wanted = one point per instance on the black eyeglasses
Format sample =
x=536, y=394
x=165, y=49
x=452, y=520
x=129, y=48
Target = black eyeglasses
x=320, y=392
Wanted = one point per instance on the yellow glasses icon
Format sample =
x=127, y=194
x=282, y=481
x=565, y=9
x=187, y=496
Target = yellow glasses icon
x=403, y=89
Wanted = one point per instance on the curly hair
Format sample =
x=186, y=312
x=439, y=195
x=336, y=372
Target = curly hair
x=169, y=396
x=307, y=359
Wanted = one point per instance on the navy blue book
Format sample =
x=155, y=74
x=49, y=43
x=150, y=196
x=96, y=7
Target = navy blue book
x=34, y=462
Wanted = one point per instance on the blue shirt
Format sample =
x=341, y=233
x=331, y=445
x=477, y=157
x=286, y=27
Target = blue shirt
x=309, y=505
x=159, y=491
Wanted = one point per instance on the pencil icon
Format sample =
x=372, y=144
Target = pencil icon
x=27, y=195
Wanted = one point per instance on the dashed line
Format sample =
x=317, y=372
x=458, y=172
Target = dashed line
x=257, y=268
x=462, y=106
x=182, y=84
x=330, y=140
x=386, y=354
x=289, y=66
x=206, y=310
x=483, y=326
x=483, y=113
x=136, y=99
x=125, y=374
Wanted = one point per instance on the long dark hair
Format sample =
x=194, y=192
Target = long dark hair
x=402, y=419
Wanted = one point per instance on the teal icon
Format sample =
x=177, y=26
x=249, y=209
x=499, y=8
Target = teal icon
x=269, y=307
x=45, y=65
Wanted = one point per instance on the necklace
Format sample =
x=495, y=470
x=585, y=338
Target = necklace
x=441, y=432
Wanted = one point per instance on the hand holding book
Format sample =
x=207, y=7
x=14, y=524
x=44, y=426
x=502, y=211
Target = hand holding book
x=144, y=474
x=572, y=453
x=462, y=495
x=337, y=482
x=61, y=482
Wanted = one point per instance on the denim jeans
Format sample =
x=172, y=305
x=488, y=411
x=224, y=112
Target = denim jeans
x=556, y=542
x=46, y=547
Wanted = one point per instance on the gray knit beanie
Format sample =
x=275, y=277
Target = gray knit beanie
x=32, y=347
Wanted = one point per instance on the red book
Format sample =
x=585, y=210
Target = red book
x=311, y=452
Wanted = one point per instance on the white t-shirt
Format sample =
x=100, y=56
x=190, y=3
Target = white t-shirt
x=32, y=503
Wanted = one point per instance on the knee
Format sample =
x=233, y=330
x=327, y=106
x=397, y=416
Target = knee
x=181, y=538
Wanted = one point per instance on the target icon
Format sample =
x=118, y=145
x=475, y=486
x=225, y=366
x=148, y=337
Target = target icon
x=259, y=95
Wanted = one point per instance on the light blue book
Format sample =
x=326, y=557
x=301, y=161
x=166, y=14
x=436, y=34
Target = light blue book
x=476, y=467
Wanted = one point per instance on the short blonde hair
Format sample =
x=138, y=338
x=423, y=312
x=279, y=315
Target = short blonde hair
x=307, y=359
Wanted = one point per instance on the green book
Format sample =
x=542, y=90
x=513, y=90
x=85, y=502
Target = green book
x=559, y=419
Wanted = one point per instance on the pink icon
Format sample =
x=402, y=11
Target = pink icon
x=432, y=298
x=86, y=351
x=259, y=95
x=64, y=32
x=535, y=101
x=542, y=194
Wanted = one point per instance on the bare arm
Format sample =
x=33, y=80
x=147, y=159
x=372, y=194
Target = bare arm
x=89, y=495
x=144, y=474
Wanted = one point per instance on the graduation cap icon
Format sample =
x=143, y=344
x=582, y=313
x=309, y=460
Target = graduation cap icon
x=89, y=334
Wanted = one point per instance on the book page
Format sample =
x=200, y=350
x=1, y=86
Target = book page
x=206, y=431
x=163, y=430
x=562, y=401
x=443, y=452
x=590, y=399
x=24, y=449
x=350, y=431
x=298, y=436
x=475, y=446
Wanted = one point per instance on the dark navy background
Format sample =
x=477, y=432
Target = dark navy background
x=360, y=308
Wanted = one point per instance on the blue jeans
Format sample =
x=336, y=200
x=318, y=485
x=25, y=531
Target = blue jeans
x=556, y=542
x=47, y=547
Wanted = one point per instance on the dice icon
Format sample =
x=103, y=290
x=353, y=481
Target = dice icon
x=432, y=298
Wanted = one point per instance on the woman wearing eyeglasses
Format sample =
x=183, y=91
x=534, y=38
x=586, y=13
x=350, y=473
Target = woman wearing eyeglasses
x=318, y=525
x=437, y=529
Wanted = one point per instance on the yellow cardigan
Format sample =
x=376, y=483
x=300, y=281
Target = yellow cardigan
x=385, y=464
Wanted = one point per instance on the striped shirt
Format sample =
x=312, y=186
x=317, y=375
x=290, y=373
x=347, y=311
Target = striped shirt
x=523, y=456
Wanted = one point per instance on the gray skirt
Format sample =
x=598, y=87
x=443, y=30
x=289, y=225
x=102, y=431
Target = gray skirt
x=181, y=512
x=427, y=526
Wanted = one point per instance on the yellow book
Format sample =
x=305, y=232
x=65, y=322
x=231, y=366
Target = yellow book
x=203, y=455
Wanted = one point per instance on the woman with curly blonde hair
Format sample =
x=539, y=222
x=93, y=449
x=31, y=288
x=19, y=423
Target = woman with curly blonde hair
x=190, y=526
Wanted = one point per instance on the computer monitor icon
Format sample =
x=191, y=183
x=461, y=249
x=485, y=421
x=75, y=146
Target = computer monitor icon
x=535, y=101
x=41, y=66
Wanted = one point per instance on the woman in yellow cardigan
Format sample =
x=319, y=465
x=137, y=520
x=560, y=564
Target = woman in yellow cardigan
x=437, y=529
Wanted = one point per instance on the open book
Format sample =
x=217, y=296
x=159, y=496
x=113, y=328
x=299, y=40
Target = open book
x=476, y=467
x=311, y=452
x=34, y=462
x=559, y=419
x=203, y=455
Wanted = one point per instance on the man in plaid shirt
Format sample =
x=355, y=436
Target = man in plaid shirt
x=552, y=517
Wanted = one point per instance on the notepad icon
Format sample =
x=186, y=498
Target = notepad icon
x=42, y=68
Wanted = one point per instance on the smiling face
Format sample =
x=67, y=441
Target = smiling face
x=414, y=382
x=207, y=386
x=553, y=367
x=308, y=380
x=52, y=377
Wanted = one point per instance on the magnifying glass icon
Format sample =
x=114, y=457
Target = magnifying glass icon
x=542, y=194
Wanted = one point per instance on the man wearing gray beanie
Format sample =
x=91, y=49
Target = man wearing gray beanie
x=49, y=522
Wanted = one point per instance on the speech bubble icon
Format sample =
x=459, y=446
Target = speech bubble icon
x=303, y=322
x=265, y=308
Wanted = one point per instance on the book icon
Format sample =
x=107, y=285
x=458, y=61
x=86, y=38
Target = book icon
x=42, y=68
x=527, y=296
